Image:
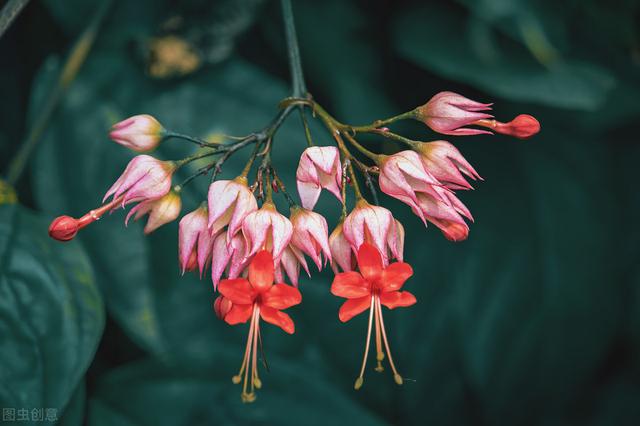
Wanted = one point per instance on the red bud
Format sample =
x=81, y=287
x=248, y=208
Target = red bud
x=222, y=306
x=63, y=228
x=523, y=126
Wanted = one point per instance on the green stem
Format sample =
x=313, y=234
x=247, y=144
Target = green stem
x=76, y=58
x=390, y=135
x=198, y=141
x=195, y=157
x=9, y=12
x=379, y=123
x=283, y=189
x=373, y=156
x=297, y=78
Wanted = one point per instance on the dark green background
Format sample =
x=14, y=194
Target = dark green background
x=534, y=320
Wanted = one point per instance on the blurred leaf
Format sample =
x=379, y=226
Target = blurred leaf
x=52, y=313
x=74, y=413
x=441, y=40
x=152, y=393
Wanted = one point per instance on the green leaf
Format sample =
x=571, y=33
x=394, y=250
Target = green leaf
x=52, y=313
x=150, y=392
x=446, y=42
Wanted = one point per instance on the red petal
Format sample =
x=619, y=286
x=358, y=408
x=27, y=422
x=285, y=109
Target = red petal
x=397, y=299
x=369, y=262
x=281, y=296
x=239, y=314
x=261, y=271
x=278, y=318
x=237, y=290
x=350, y=285
x=353, y=307
x=394, y=276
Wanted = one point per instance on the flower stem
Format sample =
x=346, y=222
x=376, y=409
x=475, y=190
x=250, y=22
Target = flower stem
x=198, y=141
x=297, y=78
x=379, y=123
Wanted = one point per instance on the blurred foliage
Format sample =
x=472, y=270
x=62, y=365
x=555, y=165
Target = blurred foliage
x=535, y=320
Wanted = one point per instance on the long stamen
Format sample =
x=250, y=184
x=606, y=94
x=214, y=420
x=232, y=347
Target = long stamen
x=238, y=378
x=397, y=377
x=360, y=378
x=255, y=380
x=379, y=354
x=249, y=396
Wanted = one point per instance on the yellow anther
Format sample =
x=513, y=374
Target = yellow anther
x=398, y=379
x=257, y=383
x=358, y=383
x=236, y=379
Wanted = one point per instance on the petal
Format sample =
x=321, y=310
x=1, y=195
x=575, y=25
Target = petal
x=261, y=271
x=281, y=296
x=238, y=290
x=350, y=285
x=238, y=314
x=369, y=262
x=394, y=276
x=278, y=318
x=309, y=194
x=353, y=307
x=397, y=299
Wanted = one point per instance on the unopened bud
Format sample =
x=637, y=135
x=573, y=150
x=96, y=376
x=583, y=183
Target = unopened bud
x=523, y=126
x=140, y=133
x=63, y=228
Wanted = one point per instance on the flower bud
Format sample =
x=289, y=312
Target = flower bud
x=449, y=113
x=446, y=164
x=310, y=235
x=230, y=201
x=522, y=127
x=194, y=240
x=266, y=229
x=145, y=178
x=140, y=133
x=161, y=211
x=63, y=228
x=222, y=306
x=341, y=253
x=319, y=168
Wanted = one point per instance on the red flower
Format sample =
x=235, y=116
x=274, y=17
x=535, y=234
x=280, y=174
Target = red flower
x=255, y=298
x=372, y=287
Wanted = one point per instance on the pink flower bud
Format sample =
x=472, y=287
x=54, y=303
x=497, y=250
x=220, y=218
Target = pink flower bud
x=266, y=229
x=145, y=178
x=403, y=175
x=230, y=201
x=228, y=256
x=445, y=163
x=310, y=235
x=445, y=213
x=523, y=126
x=222, y=306
x=319, y=168
x=448, y=113
x=63, y=228
x=342, y=254
x=194, y=240
x=290, y=262
x=140, y=133
x=395, y=242
x=161, y=211
x=370, y=224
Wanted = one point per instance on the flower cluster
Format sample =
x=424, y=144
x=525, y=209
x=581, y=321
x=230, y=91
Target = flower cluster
x=240, y=239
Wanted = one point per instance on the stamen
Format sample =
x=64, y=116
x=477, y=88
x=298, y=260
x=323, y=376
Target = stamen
x=251, y=342
x=360, y=378
x=397, y=377
x=255, y=380
x=379, y=354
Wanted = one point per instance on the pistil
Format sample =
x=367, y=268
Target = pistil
x=396, y=376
